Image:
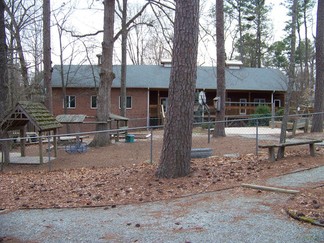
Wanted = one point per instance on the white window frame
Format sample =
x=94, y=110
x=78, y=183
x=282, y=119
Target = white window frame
x=164, y=102
x=131, y=102
x=243, y=103
x=91, y=102
x=277, y=101
x=259, y=101
x=68, y=102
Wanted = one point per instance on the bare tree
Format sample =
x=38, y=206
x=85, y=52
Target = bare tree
x=177, y=141
x=47, y=54
x=23, y=26
x=319, y=90
x=164, y=12
x=18, y=24
x=106, y=76
x=140, y=37
x=3, y=63
x=124, y=58
x=3, y=81
x=221, y=89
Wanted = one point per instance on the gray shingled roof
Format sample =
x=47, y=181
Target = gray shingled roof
x=153, y=76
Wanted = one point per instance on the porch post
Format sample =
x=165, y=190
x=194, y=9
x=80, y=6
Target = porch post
x=159, y=108
x=148, y=108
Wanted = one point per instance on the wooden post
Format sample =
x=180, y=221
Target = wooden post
x=267, y=188
x=40, y=142
x=117, y=137
x=294, y=128
x=272, y=156
x=55, y=142
x=306, y=125
x=22, y=134
x=312, y=149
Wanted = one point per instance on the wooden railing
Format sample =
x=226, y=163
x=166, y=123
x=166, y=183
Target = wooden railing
x=232, y=109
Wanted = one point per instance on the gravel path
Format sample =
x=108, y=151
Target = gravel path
x=225, y=216
x=299, y=178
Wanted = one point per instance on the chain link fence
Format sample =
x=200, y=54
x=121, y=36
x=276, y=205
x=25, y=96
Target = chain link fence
x=143, y=144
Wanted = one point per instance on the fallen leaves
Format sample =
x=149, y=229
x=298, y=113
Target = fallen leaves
x=108, y=187
x=308, y=206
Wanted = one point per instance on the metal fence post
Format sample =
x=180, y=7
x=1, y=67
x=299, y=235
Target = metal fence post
x=209, y=131
x=151, y=149
x=257, y=136
x=49, y=152
x=208, y=127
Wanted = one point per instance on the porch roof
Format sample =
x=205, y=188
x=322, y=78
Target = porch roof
x=157, y=77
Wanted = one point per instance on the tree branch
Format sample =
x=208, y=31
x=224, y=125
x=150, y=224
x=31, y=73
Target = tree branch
x=118, y=33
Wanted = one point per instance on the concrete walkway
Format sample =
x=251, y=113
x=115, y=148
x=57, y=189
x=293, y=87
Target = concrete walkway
x=225, y=216
x=15, y=158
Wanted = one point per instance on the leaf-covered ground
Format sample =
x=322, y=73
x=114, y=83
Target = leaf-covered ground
x=86, y=181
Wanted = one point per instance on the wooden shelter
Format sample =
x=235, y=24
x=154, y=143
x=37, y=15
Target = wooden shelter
x=38, y=115
x=120, y=123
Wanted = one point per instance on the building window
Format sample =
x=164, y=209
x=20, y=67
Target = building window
x=128, y=102
x=243, y=104
x=93, y=102
x=259, y=101
x=70, y=101
x=277, y=103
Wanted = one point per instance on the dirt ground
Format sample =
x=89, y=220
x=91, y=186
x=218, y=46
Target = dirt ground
x=122, y=173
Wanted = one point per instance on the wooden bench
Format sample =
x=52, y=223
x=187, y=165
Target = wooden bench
x=293, y=126
x=119, y=132
x=271, y=147
x=301, y=123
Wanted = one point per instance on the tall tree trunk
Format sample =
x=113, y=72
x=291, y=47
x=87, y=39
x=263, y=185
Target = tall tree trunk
x=219, y=130
x=177, y=140
x=3, y=63
x=258, y=34
x=47, y=54
x=106, y=77
x=241, y=48
x=124, y=61
x=291, y=82
x=318, y=119
x=3, y=83
x=307, y=79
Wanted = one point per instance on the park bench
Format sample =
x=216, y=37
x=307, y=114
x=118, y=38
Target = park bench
x=301, y=123
x=294, y=125
x=271, y=147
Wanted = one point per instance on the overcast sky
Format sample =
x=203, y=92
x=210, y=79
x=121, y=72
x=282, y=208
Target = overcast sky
x=84, y=20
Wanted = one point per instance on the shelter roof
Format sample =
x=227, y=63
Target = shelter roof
x=33, y=112
x=67, y=118
x=117, y=117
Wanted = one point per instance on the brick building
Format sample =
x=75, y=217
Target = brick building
x=147, y=90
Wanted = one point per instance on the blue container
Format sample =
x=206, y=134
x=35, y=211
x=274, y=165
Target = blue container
x=130, y=138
